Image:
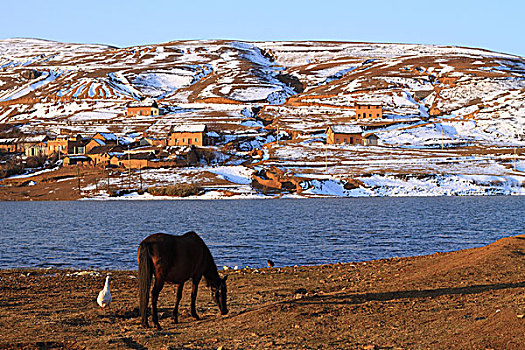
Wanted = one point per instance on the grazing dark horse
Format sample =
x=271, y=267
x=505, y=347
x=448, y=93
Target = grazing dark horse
x=176, y=259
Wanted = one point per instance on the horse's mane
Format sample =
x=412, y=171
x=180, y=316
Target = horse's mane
x=211, y=274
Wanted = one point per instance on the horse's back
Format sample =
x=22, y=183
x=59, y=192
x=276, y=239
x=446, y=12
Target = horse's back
x=179, y=257
x=166, y=238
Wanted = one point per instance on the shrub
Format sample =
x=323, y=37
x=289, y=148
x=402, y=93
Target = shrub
x=11, y=167
x=36, y=162
x=118, y=193
x=179, y=190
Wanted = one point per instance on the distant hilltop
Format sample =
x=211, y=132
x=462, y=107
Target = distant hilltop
x=408, y=80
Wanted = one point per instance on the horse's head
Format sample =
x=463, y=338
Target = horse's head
x=219, y=294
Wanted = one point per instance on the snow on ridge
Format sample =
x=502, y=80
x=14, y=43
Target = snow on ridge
x=291, y=53
x=17, y=48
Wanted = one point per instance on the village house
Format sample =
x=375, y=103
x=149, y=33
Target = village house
x=107, y=137
x=350, y=134
x=36, y=150
x=154, y=157
x=8, y=145
x=67, y=144
x=101, y=155
x=154, y=141
x=77, y=145
x=132, y=160
x=77, y=160
x=135, y=158
x=370, y=140
x=368, y=110
x=33, y=146
x=145, y=107
x=183, y=156
x=57, y=145
x=94, y=143
x=186, y=135
x=101, y=139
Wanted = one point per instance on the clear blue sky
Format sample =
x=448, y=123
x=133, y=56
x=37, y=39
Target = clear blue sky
x=494, y=25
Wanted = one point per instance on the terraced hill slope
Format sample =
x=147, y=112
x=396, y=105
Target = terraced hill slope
x=433, y=97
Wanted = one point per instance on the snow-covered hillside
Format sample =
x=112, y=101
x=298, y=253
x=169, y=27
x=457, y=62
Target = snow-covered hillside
x=435, y=99
x=418, y=81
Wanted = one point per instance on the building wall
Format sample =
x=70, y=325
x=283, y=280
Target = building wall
x=186, y=139
x=370, y=142
x=72, y=145
x=36, y=150
x=352, y=139
x=330, y=139
x=56, y=146
x=368, y=111
x=142, y=111
x=8, y=148
x=156, y=141
x=76, y=149
x=99, y=159
x=67, y=161
x=127, y=163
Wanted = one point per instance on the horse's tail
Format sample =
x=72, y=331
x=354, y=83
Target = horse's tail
x=145, y=273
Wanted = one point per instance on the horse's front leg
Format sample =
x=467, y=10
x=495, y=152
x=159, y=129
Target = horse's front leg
x=159, y=283
x=194, y=290
x=180, y=286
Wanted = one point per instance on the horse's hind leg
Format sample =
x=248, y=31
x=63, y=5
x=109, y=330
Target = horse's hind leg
x=194, y=290
x=159, y=283
x=180, y=286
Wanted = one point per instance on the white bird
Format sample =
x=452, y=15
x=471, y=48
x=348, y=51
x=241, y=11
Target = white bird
x=104, y=296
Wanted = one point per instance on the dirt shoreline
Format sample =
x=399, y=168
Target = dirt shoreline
x=470, y=299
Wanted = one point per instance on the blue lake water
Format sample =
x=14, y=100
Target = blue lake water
x=105, y=235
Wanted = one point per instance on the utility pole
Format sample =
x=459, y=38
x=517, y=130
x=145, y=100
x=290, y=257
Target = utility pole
x=441, y=136
x=129, y=169
x=78, y=177
x=515, y=156
x=140, y=177
x=326, y=157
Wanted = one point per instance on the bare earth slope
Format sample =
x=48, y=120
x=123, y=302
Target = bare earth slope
x=472, y=299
